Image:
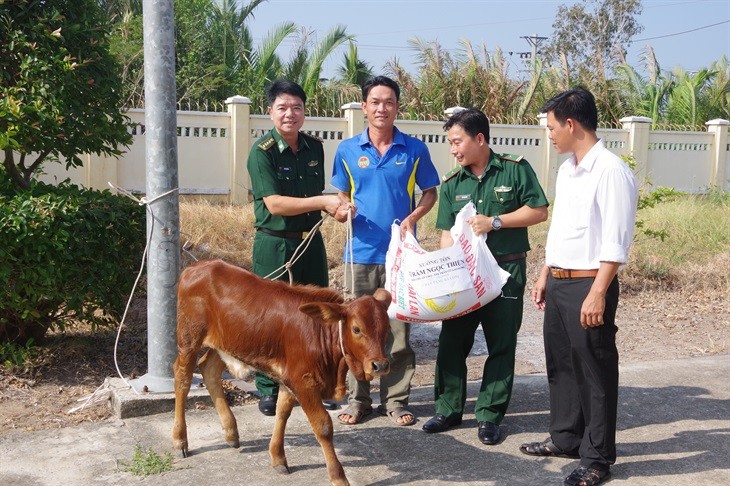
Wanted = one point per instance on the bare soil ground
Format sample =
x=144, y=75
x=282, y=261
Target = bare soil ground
x=654, y=325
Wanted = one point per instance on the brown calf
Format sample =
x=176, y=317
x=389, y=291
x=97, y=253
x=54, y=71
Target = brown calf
x=304, y=337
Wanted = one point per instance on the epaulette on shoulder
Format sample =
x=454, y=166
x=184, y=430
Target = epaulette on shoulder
x=511, y=157
x=267, y=143
x=309, y=135
x=450, y=174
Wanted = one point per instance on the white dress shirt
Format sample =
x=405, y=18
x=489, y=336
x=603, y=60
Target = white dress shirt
x=594, y=212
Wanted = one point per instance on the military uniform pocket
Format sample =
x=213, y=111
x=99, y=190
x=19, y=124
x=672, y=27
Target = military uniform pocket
x=457, y=206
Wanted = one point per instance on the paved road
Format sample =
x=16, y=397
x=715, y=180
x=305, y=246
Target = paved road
x=674, y=429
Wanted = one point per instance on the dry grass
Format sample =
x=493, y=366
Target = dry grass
x=217, y=230
x=695, y=256
x=210, y=230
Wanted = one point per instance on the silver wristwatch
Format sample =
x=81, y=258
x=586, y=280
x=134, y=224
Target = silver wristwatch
x=496, y=223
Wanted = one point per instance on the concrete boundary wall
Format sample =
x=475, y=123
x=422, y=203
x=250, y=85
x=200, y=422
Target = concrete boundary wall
x=213, y=149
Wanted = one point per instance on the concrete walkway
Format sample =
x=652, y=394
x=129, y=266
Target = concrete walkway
x=674, y=429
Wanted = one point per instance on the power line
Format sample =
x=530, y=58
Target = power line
x=683, y=32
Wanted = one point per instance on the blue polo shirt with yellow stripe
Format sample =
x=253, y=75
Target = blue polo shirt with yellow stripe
x=382, y=188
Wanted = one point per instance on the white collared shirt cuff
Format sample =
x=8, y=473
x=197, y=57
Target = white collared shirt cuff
x=613, y=253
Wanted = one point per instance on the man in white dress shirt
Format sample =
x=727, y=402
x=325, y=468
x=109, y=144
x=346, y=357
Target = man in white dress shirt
x=590, y=235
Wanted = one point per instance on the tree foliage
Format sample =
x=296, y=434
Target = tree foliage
x=60, y=90
x=593, y=36
x=644, y=96
x=217, y=58
x=677, y=98
x=354, y=70
x=472, y=77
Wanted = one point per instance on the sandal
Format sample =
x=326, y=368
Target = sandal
x=587, y=476
x=545, y=448
x=356, y=411
x=397, y=414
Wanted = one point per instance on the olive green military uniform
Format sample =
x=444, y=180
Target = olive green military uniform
x=275, y=169
x=508, y=183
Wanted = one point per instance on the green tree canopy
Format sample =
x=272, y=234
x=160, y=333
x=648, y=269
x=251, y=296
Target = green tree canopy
x=593, y=36
x=353, y=70
x=60, y=90
x=216, y=57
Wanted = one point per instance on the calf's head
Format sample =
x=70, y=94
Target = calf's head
x=362, y=329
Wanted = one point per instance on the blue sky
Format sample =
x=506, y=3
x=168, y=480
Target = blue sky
x=681, y=32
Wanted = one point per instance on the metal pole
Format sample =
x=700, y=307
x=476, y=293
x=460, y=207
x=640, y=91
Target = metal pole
x=163, y=260
x=534, y=41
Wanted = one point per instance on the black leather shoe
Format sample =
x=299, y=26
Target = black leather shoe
x=489, y=433
x=587, y=476
x=330, y=405
x=439, y=423
x=267, y=405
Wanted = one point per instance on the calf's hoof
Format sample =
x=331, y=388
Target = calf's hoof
x=182, y=447
x=282, y=469
x=232, y=438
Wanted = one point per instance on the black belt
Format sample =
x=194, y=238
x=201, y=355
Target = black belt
x=511, y=257
x=293, y=235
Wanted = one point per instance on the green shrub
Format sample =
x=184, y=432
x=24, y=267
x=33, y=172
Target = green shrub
x=67, y=254
x=17, y=356
x=649, y=197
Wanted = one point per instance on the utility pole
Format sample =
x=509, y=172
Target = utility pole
x=534, y=41
x=163, y=259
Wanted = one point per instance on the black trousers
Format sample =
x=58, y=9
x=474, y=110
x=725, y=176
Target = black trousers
x=582, y=369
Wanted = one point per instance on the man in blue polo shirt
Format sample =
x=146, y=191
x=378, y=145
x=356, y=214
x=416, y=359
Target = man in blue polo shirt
x=378, y=171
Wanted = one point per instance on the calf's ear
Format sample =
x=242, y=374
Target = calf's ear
x=324, y=311
x=383, y=297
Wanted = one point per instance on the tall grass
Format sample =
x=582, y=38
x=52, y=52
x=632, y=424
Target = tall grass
x=210, y=230
x=694, y=256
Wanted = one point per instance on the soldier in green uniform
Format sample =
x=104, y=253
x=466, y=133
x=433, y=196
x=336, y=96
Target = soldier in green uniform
x=508, y=199
x=287, y=177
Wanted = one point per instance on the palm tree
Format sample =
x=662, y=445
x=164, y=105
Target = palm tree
x=305, y=68
x=686, y=104
x=718, y=91
x=644, y=97
x=215, y=53
x=264, y=65
x=353, y=70
x=310, y=71
x=231, y=35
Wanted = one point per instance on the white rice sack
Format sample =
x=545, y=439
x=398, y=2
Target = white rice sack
x=442, y=284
